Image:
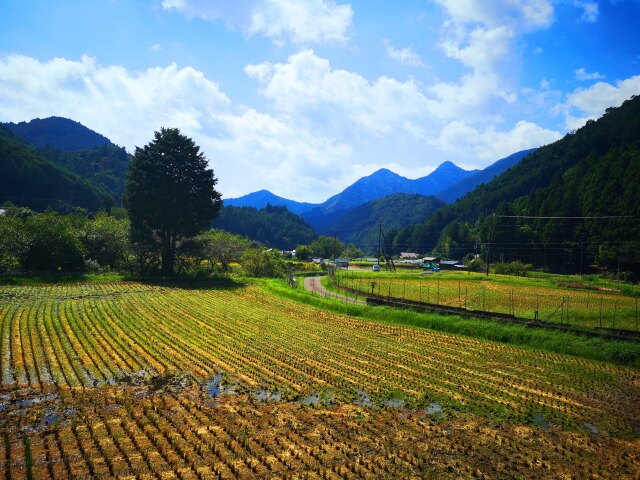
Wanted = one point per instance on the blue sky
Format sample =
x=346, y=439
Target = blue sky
x=304, y=97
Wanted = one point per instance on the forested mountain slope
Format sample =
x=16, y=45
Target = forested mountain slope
x=592, y=172
x=274, y=226
x=28, y=179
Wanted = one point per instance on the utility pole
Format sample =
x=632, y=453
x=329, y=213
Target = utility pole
x=379, y=243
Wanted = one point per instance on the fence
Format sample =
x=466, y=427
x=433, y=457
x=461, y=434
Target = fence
x=592, y=309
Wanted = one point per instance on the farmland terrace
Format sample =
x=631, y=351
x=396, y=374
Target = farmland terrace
x=134, y=380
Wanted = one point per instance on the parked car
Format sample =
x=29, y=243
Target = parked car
x=376, y=268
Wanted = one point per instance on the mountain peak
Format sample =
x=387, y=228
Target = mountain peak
x=59, y=133
x=448, y=166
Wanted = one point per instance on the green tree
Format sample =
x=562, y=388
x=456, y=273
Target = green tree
x=352, y=252
x=326, y=247
x=53, y=244
x=218, y=246
x=170, y=193
x=303, y=252
x=258, y=262
x=106, y=240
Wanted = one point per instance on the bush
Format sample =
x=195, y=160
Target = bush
x=512, y=268
x=52, y=244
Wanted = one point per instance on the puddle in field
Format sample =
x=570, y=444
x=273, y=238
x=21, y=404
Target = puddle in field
x=364, y=400
x=434, y=409
x=267, y=396
x=394, y=403
x=51, y=417
x=312, y=400
x=541, y=422
x=214, y=387
x=592, y=428
x=34, y=400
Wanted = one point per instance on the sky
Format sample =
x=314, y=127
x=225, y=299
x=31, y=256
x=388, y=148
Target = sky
x=304, y=97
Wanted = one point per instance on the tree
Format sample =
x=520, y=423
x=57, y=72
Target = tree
x=218, y=246
x=169, y=193
x=106, y=240
x=352, y=252
x=326, y=247
x=258, y=262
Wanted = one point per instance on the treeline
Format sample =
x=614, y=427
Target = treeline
x=591, y=173
x=49, y=242
x=273, y=226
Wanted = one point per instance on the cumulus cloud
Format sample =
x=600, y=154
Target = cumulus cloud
x=307, y=86
x=590, y=103
x=249, y=150
x=583, y=75
x=491, y=144
x=313, y=21
x=405, y=56
x=125, y=105
x=483, y=36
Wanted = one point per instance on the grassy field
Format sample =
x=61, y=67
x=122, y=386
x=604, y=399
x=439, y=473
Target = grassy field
x=135, y=380
x=547, y=298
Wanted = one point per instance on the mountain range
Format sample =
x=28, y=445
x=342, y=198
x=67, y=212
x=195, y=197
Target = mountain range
x=447, y=183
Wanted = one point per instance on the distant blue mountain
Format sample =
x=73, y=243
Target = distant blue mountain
x=262, y=198
x=467, y=184
x=447, y=182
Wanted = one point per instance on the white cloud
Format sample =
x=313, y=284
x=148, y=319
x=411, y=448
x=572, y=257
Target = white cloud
x=591, y=103
x=249, y=150
x=483, y=36
x=583, y=75
x=123, y=105
x=490, y=144
x=308, y=87
x=312, y=21
x=590, y=10
x=405, y=56
x=523, y=13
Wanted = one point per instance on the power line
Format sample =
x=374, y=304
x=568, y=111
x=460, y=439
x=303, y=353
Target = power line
x=569, y=218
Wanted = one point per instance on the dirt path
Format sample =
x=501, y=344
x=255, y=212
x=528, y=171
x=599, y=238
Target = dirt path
x=313, y=284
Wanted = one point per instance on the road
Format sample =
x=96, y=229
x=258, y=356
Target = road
x=313, y=284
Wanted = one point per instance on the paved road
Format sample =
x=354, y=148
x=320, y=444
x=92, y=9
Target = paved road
x=313, y=284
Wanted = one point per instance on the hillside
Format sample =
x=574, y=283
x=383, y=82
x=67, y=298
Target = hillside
x=467, y=184
x=360, y=225
x=275, y=226
x=105, y=166
x=593, y=172
x=58, y=133
x=28, y=179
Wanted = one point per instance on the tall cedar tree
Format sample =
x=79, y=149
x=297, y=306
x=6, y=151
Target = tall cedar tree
x=169, y=193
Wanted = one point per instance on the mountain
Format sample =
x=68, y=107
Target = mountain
x=447, y=182
x=275, y=226
x=467, y=184
x=105, y=166
x=360, y=225
x=591, y=173
x=29, y=179
x=73, y=146
x=58, y=133
x=262, y=198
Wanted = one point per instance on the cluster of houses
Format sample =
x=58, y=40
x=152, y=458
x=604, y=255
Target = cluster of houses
x=431, y=262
